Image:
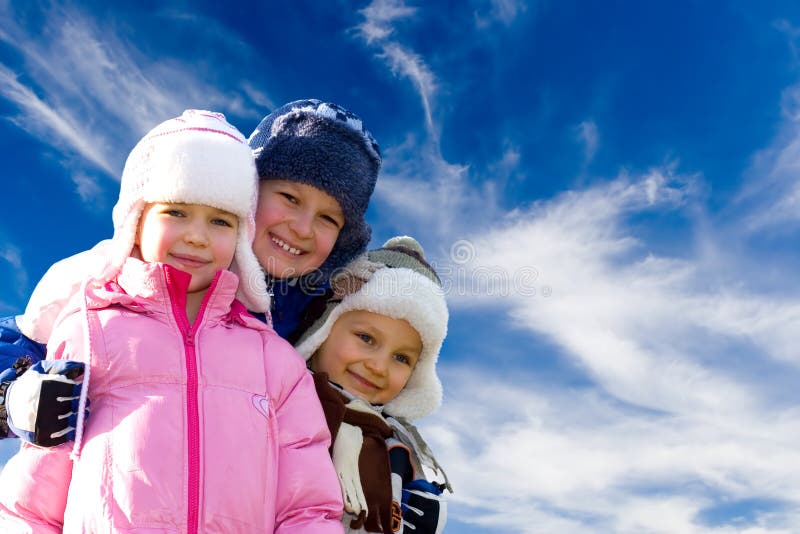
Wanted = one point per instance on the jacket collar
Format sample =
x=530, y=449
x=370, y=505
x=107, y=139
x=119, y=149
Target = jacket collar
x=144, y=286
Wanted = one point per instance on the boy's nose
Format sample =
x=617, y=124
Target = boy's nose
x=302, y=225
x=377, y=364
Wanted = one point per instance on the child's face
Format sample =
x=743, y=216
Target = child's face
x=194, y=238
x=296, y=227
x=369, y=355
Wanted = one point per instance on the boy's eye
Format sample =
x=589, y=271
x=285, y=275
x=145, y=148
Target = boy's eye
x=402, y=358
x=331, y=220
x=291, y=198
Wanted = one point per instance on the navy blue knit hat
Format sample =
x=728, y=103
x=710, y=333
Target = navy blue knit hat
x=325, y=146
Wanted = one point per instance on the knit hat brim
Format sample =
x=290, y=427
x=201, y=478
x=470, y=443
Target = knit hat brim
x=324, y=146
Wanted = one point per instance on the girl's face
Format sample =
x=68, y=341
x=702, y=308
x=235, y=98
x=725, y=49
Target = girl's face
x=369, y=355
x=296, y=227
x=194, y=238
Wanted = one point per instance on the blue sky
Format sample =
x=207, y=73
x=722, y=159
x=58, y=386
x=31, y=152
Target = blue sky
x=611, y=191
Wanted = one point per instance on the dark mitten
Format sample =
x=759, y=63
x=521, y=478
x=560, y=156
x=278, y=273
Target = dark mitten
x=424, y=508
x=42, y=403
x=6, y=378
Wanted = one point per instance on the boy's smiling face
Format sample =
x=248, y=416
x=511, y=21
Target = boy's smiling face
x=371, y=356
x=296, y=227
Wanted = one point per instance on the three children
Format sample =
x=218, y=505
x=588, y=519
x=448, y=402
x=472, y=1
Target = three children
x=317, y=167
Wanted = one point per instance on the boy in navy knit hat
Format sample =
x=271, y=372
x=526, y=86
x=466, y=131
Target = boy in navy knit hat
x=317, y=166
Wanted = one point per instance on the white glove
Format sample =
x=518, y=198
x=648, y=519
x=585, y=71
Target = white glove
x=346, y=450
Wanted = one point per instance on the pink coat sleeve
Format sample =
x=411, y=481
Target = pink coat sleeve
x=35, y=482
x=33, y=489
x=309, y=498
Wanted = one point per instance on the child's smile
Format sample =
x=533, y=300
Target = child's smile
x=297, y=226
x=369, y=355
x=198, y=239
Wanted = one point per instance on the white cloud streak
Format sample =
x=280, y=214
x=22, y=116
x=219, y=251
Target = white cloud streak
x=11, y=255
x=378, y=30
x=526, y=457
x=504, y=12
x=57, y=126
x=771, y=198
x=589, y=136
x=691, y=403
x=91, y=94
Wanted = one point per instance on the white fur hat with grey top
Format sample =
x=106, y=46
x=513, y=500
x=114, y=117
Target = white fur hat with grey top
x=397, y=282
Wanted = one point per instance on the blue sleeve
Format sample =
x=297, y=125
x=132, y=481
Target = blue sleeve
x=14, y=344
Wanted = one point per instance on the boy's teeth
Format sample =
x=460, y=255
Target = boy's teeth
x=285, y=247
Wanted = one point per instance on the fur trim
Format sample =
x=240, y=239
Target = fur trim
x=400, y=293
x=197, y=158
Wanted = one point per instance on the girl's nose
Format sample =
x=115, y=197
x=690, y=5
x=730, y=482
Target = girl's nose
x=196, y=234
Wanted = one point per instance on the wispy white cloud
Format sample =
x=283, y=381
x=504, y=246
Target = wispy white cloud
x=674, y=422
x=525, y=456
x=11, y=255
x=499, y=11
x=53, y=125
x=589, y=137
x=91, y=94
x=771, y=197
x=378, y=29
x=379, y=17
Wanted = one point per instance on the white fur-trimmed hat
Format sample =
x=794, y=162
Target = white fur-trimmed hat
x=397, y=282
x=197, y=158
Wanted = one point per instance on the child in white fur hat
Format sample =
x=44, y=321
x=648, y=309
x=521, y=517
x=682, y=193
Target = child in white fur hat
x=203, y=418
x=374, y=352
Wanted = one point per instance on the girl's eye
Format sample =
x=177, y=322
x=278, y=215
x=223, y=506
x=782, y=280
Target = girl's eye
x=366, y=338
x=222, y=222
x=174, y=213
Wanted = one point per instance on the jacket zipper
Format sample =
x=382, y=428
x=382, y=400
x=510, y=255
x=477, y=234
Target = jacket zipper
x=192, y=410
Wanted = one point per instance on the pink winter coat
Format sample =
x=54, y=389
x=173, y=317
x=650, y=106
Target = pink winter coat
x=210, y=428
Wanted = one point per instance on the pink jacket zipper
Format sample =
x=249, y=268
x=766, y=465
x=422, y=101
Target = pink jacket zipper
x=188, y=331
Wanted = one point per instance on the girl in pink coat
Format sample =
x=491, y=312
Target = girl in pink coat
x=203, y=418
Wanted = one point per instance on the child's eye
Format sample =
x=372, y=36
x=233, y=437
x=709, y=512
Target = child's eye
x=174, y=212
x=366, y=338
x=222, y=222
x=331, y=220
x=289, y=197
x=402, y=358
